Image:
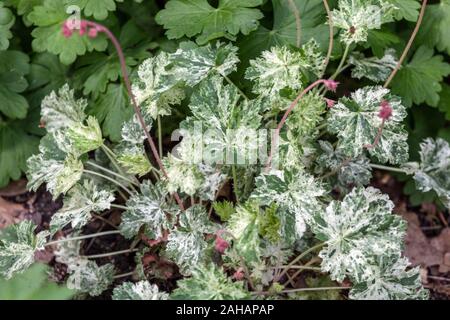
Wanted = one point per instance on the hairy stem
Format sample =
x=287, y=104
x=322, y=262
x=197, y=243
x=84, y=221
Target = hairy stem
x=408, y=45
x=331, y=41
x=124, y=275
x=137, y=110
x=238, y=89
x=160, y=146
x=265, y=293
x=298, y=258
x=276, y=133
x=298, y=24
x=118, y=206
x=109, y=179
x=387, y=168
x=235, y=182
x=111, y=172
x=110, y=254
x=341, y=64
x=88, y=236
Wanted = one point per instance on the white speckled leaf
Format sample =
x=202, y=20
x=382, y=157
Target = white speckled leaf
x=294, y=190
x=357, y=17
x=209, y=283
x=18, y=244
x=87, y=277
x=78, y=205
x=356, y=172
x=141, y=290
x=192, y=63
x=85, y=137
x=373, y=68
x=186, y=245
x=387, y=278
x=53, y=166
x=156, y=89
x=356, y=122
x=434, y=171
x=61, y=110
x=148, y=209
x=356, y=229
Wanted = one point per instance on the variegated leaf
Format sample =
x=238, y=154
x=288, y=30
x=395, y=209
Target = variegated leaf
x=355, y=230
x=53, y=166
x=387, y=278
x=85, y=138
x=375, y=69
x=156, y=90
x=209, y=283
x=357, y=17
x=296, y=193
x=186, y=245
x=356, y=122
x=149, y=209
x=192, y=63
x=87, y=277
x=61, y=110
x=350, y=172
x=79, y=203
x=141, y=290
x=434, y=170
x=18, y=244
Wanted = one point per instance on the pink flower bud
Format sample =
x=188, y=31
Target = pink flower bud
x=67, y=30
x=385, y=110
x=221, y=244
x=331, y=85
x=239, y=274
x=330, y=103
x=93, y=32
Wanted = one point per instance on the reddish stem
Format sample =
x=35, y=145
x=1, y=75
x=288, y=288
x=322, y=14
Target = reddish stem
x=330, y=84
x=137, y=110
x=408, y=46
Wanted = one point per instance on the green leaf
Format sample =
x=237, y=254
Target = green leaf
x=444, y=100
x=434, y=29
x=224, y=209
x=407, y=9
x=24, y=7
x=379, y=40
x=7, y=20
x=434, y=170
x=150, y=209
x=14, y=65
x=209, y=283
x=186, y=244
x=78, y=205
x=356, y=122
x=18, y=244
x=16, y=146
x=48, y=19
x=355, y=230
x=197, y=17
x=373, y=68
x=33, y=284
x=420, y=80
x=99, y=9
x=284, y=30
x=192, y=63
x=112, y=109
x=141, y=290
x=388, y=279
x=47, y=74
x=357, y=17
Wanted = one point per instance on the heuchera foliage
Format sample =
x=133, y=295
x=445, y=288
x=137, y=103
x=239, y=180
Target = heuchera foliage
x=309, y=203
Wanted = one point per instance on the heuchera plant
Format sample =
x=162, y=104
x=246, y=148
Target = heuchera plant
x=282, y=204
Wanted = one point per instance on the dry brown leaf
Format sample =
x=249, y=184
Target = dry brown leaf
x=9, y=213
x=15, y=188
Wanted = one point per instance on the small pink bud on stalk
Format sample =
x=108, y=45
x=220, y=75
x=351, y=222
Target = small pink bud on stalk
x=221, y=244
x=239, y=274
x=330, y=103
x=385, y=113
x=92, y=29
x=328, y=83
